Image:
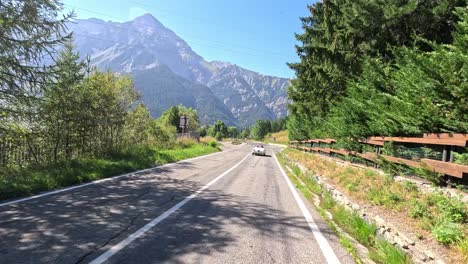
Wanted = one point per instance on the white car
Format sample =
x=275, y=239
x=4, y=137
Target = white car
x=258, y=150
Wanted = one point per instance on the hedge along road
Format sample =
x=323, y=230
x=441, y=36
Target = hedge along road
x=230, y=207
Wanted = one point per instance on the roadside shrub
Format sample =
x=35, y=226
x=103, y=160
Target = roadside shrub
x=418, y=210
x=207, y=139
x=410, y=186
x=452, y=209
x=391, y=198
x=375, y=196
x=327, y=201
x=186, y=142
x=426, y=173
x=213, y=144
x=312, y=184
x=447, y=233
x=460, y=158
x=219, y=136
x=353, y=223
x=296, y=170
x=462, y=247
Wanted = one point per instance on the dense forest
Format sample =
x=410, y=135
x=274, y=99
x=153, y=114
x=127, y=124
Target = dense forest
x=380, y=67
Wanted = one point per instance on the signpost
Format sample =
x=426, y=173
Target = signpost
x=184, y=122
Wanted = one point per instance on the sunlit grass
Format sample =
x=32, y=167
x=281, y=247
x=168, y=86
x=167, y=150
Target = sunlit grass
x=281, y=137
x=363, y=231
x=386, y=253
x=17, y=182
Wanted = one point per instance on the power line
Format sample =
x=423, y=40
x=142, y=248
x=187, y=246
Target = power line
x=140, y=45
x=191, y=36
x=198, y=43
x=174, y=13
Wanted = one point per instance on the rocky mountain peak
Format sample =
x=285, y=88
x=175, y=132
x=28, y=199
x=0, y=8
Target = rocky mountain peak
x=147, y=20
x=167, y=71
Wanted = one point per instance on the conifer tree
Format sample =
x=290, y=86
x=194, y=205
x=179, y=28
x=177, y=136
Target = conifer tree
x=31, y=34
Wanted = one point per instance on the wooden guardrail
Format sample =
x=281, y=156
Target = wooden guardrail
x=443, y=141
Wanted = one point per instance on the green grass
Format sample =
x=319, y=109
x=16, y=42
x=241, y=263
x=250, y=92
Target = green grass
x=386, y=253
x=349, y=246
x=357, y=227
x=462, y=247
x=281, y=138
x=364, y=232
x=447, y=233
x=19, y=182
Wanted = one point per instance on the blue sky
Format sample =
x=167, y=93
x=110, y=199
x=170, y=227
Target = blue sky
x=254, y=34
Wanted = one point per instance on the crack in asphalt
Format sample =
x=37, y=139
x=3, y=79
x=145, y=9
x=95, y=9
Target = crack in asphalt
x=271, y=257
x=105, y=243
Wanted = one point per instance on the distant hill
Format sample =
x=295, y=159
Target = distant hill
x=168, y=72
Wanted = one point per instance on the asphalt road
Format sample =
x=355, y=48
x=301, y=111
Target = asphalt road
x=229, y=207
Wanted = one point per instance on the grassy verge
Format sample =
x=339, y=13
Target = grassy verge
x=18, y=182
x=280, y=137
x=430, y=215
x=381, y=251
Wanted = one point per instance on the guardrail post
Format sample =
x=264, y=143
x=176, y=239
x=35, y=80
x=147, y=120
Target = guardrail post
x=450, y=154
x=446, y=153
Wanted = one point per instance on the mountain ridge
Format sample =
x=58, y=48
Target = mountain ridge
x=145, y=44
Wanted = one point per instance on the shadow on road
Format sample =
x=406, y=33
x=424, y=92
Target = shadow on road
x=77, y=226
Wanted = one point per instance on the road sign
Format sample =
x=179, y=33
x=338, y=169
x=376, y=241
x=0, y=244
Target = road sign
x=184, y=122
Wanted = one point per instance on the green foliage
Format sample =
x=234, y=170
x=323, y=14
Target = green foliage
x=460, y=158
x=245, y=133
x=279, y=125
x=448, y=233
x=462, y=246
x=203, y=132
x=363, y=72
x=452, y=209
x=356, y=226
x=260, y=129
x=140, y=128
x=381, y=251
x=83, y=113
x=185, y=142
x=384, y=197
x=387, y=253
x=418, y=210
x=327, y=200
x=232, y=132
x=213, y=144
x=428, y=174
x=30, y=33
x=219, y=136
x=219, y=130
x=171, y=117
x=17, y=182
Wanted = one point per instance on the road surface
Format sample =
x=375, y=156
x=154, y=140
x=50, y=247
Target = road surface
x=229, y=207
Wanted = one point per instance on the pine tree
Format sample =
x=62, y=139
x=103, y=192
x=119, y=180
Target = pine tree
x=59, y=108
x=419, y=92
x=30, y=36
x=339, y=35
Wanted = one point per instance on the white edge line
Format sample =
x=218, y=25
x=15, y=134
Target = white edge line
x=116, y=248
x=327, y=251
x=110, y=178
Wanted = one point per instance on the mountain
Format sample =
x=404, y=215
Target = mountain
x=167, y=71
x=161, y=89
